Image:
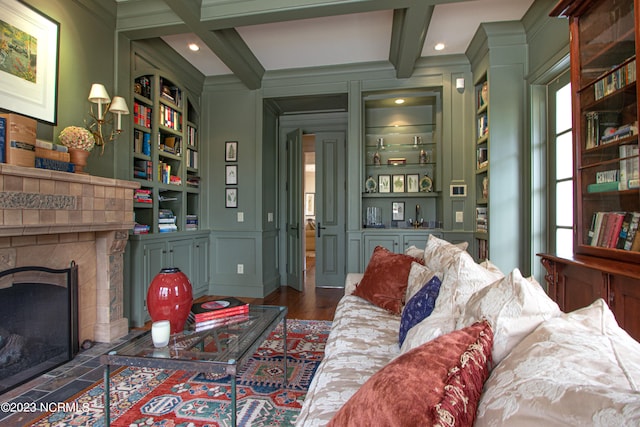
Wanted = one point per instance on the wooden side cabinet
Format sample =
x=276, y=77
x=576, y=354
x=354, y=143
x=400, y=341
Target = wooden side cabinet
x=577, y=281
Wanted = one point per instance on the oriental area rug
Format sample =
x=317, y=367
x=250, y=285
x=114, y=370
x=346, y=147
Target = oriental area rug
x=165, y=398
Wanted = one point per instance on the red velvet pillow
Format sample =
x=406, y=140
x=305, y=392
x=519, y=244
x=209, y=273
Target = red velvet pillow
x=438, y=383
x=385, y=280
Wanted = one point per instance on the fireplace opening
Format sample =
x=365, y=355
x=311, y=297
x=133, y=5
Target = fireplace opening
x=38, y=322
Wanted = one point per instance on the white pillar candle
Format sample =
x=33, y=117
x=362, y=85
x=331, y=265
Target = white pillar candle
x=160, y=332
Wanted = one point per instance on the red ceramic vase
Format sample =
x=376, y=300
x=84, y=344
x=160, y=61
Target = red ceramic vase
x=169, y=297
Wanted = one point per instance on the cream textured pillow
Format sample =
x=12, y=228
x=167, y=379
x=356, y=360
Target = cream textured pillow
x=577, y=369
x=419, y=275
x=461, y=279
x=439, y=254
x=514, y=306
x=415, y=252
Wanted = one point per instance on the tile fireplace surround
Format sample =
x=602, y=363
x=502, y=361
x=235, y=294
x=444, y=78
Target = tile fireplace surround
x=50, y=218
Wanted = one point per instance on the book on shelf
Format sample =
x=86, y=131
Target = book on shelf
x=217, y=309
x=142, y=195
x=615, y=80
x=615, y=230
x=167, y=228
x=629, y=166
x=192, y=222
x=216, y=323
x=140, y=228
x=52, y=164
x=603, y=186
x=483, y=125
x=481, y=219
x=482, y=157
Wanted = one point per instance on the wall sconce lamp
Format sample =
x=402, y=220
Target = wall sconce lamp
x=118, y=106
x=460, y=84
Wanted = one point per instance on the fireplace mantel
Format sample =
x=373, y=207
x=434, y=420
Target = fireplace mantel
x=51, y=218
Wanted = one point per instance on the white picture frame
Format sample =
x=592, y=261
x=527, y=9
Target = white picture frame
x=231, y=175
x=231, y=197
x=29, y=74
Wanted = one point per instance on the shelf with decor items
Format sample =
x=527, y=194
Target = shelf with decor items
x=165, y=124
x=401, y=186
x=606, y=244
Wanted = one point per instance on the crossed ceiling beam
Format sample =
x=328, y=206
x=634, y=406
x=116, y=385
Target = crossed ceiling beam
x=214, y=22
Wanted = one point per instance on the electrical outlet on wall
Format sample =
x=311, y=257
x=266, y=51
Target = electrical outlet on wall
x=240, y=268
x=459, y=216
x=240, y=216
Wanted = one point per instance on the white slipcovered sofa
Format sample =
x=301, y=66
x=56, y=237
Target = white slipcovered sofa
x=545, y=367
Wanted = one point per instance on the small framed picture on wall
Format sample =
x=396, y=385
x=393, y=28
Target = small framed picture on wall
x=231, y=151
x=398, y=183
x=413, y=183
x=384, y=183
x=231, y=177
x=397, y=211
x=231, y=198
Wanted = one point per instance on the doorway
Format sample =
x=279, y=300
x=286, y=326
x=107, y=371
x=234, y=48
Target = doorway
x=309, y=210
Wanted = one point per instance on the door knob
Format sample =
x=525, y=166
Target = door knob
x=320, y=228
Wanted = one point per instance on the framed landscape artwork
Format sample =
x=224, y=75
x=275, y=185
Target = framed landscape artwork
x=28, y=61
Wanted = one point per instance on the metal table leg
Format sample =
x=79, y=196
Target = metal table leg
x=234, y=398
x=107, y=397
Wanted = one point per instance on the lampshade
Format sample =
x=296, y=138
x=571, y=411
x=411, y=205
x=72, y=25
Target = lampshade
x=119, y=105
x=98, y=94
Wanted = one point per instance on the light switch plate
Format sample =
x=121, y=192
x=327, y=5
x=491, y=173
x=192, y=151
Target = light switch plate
x=459, y=216
x=240, y=216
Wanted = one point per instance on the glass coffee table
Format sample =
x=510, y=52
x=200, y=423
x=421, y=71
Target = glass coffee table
x=220, y=350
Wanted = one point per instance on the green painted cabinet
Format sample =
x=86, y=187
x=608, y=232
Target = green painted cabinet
x=149, y=254
x=395, y=240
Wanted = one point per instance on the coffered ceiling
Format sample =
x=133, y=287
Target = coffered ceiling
x=249, y=38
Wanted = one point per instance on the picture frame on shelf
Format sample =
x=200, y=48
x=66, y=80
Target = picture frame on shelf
x=231, y=197
x=231, y=151
x=384, y=183
x=413, y=183
x=397, y=211
x=25, y=88
x=231, y=175
x=309, y=204
x=398, y=183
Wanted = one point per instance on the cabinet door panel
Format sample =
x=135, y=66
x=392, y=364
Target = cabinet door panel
x=181, y=256
x=580, y=287
x=154, y=260
x=201, y=266
x=390, y=242
x=626, y=303
x=417, y=240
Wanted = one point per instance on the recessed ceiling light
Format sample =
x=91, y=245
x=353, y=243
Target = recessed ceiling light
x=194, y=47
x=439, y=46
x=399, y=101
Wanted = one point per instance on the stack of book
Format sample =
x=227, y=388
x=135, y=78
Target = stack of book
x=166, y=221
x=52, y=156
x=142, y=195
x=192, y=222
x=220, y=312
x=140, y=229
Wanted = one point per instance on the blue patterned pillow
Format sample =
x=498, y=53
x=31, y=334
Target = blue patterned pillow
x=419, y=307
